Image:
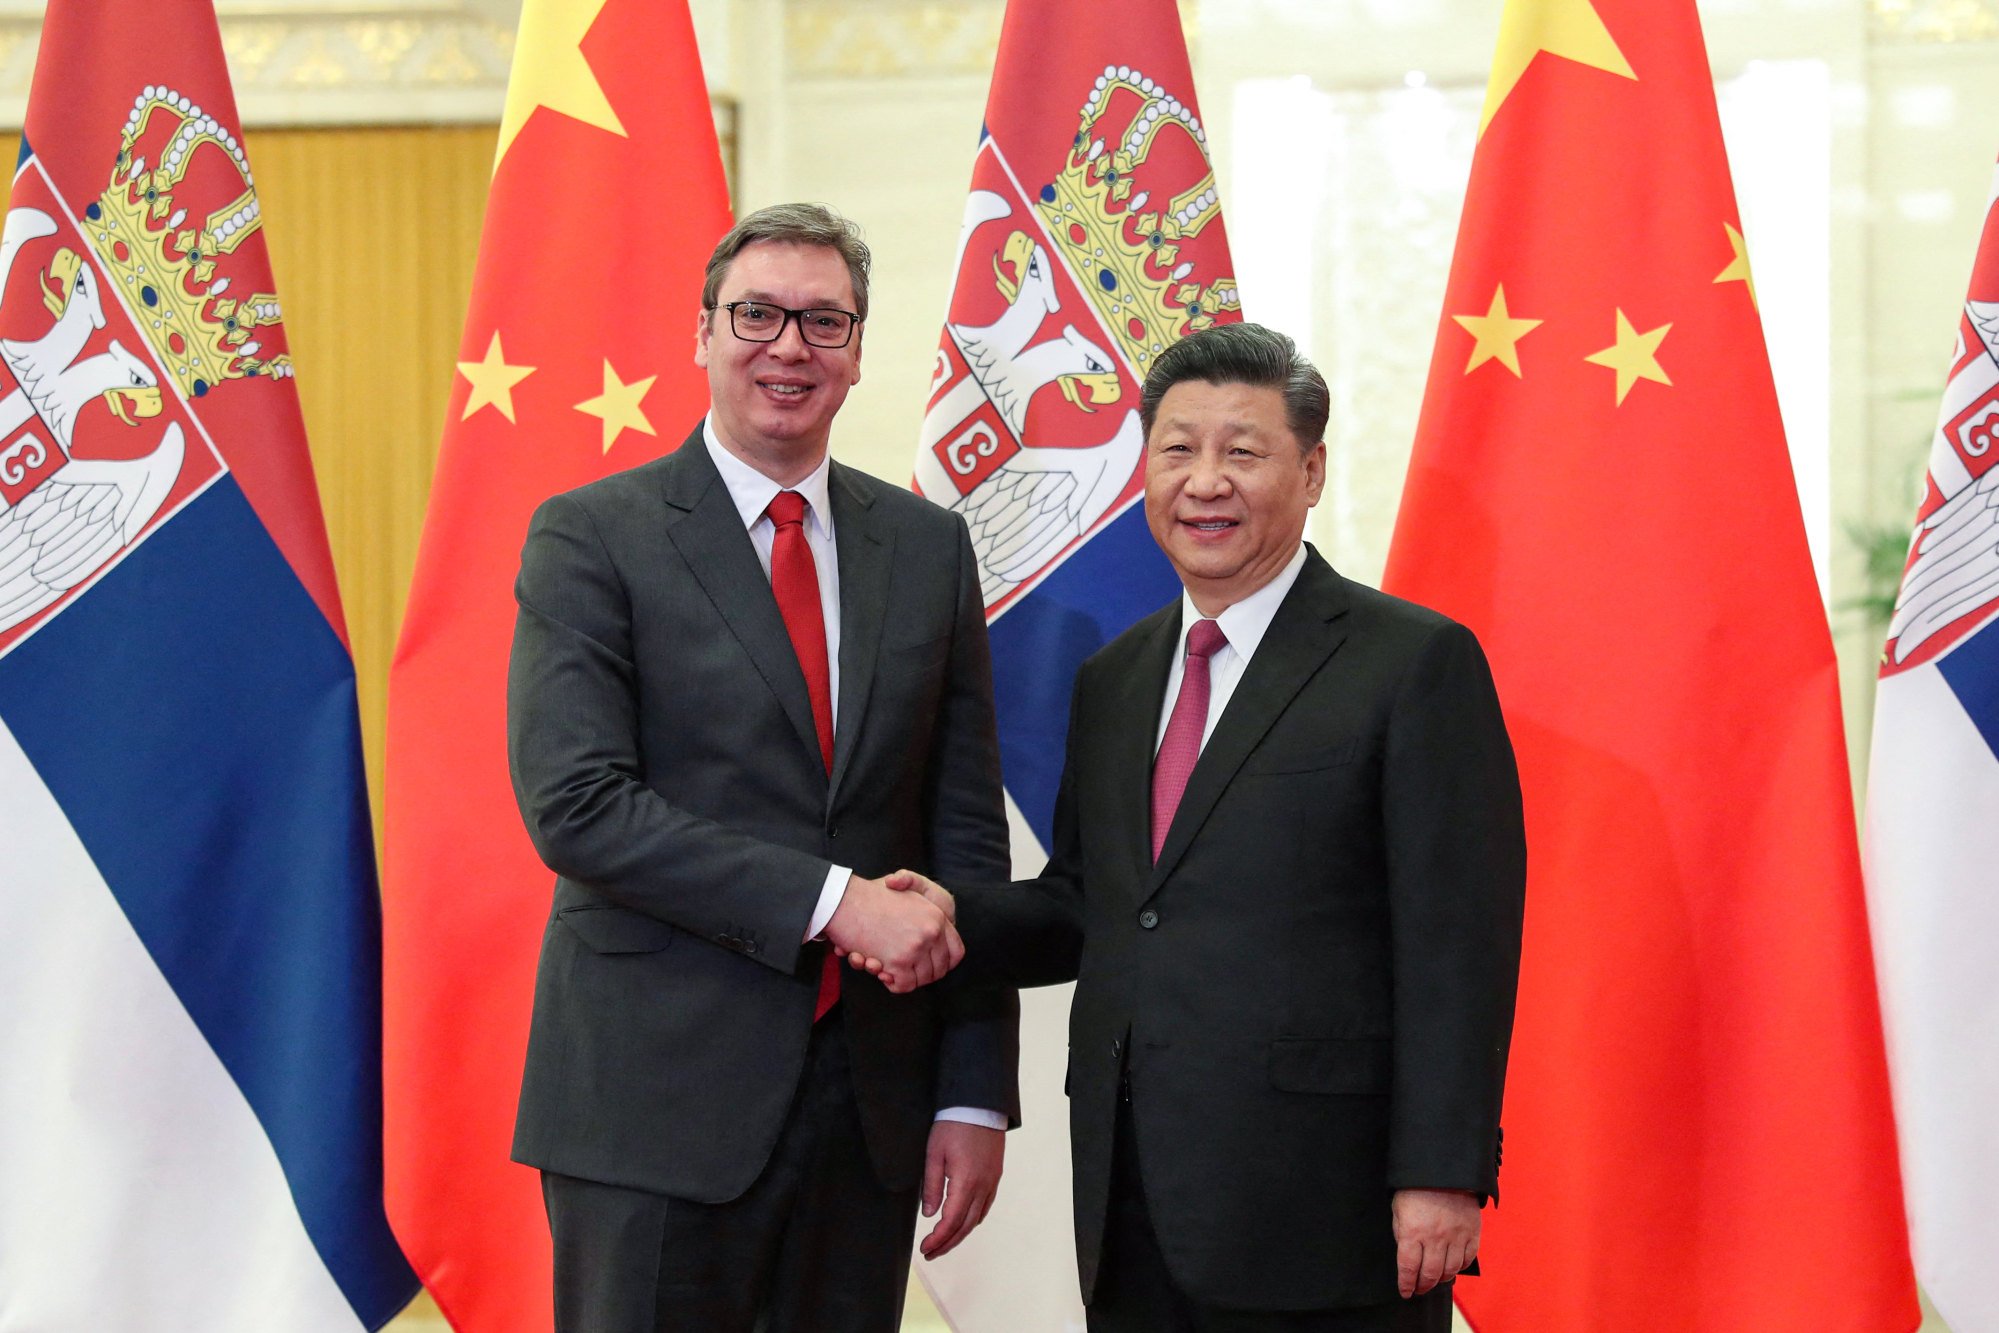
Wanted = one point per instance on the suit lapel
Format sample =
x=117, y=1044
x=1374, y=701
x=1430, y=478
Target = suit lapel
x=704, y=525
x=1307, y=629
x=1142, y=692
x=866, y=549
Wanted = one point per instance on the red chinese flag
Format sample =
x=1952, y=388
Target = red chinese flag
x=1698, y=1127
x=577, y=361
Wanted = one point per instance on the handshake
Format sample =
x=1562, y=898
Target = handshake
x=902, y=928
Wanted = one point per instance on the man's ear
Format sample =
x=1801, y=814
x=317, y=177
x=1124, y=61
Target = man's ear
x=1315, y=472
x=704, y=323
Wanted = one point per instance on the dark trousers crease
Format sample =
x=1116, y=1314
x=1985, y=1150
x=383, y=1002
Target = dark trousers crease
x=1136, y=1293
x=816, y=1245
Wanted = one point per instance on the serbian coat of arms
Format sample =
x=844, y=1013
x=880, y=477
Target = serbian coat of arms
x=1066, y=289
x=1950, y=585
x=118, y=317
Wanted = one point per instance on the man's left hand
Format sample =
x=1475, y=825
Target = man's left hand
x=961, y=1175
x=1436, y=1237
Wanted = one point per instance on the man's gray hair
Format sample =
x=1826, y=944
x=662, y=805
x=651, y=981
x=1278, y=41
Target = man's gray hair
x=796, y=224
x=1244, y=354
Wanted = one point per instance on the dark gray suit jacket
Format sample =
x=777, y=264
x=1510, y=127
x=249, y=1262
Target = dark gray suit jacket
x=665, y=761
x=1312, y=991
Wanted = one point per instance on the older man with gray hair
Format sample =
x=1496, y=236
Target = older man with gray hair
x=1287, y=880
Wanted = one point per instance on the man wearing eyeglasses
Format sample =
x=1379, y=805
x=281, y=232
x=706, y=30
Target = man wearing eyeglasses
x=746, y=682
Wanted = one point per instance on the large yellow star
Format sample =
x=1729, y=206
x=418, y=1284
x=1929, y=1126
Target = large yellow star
x=1634, y=356
x=618, y=406
x=550, y=71
x=493, y=381
x=1571, y=29
x=1738, y=268
x=1498, y=334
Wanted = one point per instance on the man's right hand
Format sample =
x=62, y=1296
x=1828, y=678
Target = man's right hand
x=907, y=940
x=908, y=881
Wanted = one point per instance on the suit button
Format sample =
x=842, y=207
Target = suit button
x=1117, y=1048
x=1148, y=918
x=832, y=830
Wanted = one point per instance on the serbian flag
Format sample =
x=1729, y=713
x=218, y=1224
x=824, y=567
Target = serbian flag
x=1698, y=1127
x=1092, y=240
x=577, y=361
x=190, y=971
x=1933, y=786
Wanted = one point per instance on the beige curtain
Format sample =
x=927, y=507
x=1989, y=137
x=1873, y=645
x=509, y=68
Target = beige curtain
x=373, y=236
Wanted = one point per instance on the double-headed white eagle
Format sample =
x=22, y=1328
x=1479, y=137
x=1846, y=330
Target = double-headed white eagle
x=1041, y=498
x=1956, y=565
x=88, y=510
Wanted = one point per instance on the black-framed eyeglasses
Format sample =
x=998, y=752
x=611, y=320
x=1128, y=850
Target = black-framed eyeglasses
x=762, y=322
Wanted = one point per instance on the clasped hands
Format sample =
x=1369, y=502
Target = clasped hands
x=902, y=928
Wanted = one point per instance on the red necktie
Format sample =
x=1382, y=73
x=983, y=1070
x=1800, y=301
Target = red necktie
x=1182, y=745
x=794, y=578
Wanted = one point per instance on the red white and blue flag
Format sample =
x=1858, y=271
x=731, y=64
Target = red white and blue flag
x=1933, y=787
x=1092, y=240
x=189, y=974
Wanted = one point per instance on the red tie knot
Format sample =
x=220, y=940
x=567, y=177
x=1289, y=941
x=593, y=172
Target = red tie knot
x=1205, y=639
x=786, y=508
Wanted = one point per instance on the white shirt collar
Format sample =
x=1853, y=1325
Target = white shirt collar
x=1245, y=623
x=752, y=491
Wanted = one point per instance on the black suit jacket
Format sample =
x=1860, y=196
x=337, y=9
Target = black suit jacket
x=665, y=760
x=1311, y=993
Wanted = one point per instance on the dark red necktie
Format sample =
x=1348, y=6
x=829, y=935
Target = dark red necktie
x=794, y=578
x=1182, y=744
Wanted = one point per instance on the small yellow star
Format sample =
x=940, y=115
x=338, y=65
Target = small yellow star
x=1498, y=334
x=1634, y=356
x=1738, y=268
x=550, y=71
x=618, y=406
x=493, y=381
x=1571, y=29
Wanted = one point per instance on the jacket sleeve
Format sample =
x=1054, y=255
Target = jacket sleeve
x=979, y=1052
x=1457, y=867
x=573, y=752
x=1030, y=933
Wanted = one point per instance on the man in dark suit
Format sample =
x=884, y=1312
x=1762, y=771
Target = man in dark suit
x=744, y=678
x=1287, y=879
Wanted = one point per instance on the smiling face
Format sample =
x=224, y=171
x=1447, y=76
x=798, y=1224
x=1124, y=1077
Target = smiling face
x=1227, y=488
x=773, y=403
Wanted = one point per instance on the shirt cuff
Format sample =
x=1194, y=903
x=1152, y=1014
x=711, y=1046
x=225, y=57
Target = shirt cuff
x=973, y=1115
x=829, y=900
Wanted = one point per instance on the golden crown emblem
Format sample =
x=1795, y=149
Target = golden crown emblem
x=167, y=270
x=1115, y=215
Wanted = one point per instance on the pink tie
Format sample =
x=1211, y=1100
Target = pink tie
x=794, y=579
x=1182, y=746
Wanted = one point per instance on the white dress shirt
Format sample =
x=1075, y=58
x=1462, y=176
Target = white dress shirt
x=752, y=492
x=1244, y=626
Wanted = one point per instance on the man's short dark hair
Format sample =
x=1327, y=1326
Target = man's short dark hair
x=1243, y=354
x=796, y=224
